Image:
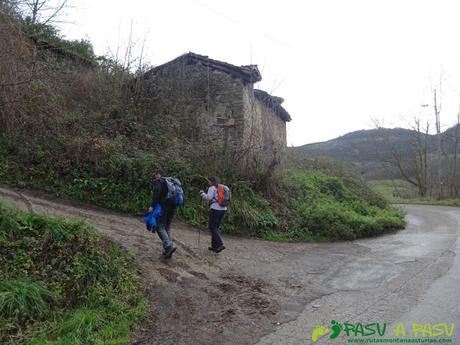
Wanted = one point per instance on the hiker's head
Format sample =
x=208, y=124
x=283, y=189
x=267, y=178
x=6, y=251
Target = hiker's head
x=213, y=181
x=159, y=173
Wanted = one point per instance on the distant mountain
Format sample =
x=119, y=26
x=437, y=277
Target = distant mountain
x=365, y=150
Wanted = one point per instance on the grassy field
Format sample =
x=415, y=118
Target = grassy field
x=394, y=190
x=447, y=202
x=402, y=192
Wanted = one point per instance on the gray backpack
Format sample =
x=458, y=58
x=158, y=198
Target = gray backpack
x=175, y=190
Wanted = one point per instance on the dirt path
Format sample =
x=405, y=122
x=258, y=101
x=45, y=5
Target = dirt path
x=254, y=289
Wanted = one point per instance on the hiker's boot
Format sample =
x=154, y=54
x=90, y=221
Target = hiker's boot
x=169, y=252
x=219, y=249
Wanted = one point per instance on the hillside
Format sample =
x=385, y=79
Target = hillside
x=366, y=150
x=91, y=134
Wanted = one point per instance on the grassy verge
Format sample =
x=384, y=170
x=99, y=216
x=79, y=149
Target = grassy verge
x=60, y=283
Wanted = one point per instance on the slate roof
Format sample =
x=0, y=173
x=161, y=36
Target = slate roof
x=249, y=73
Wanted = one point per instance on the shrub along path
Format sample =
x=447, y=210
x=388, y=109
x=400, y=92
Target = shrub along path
x=254, y=287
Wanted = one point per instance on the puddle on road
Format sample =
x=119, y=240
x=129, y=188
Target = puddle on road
x=362, y=275
x=425, y=245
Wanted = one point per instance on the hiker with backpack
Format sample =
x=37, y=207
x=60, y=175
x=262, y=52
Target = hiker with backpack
x=218, y=196
x=168, y=193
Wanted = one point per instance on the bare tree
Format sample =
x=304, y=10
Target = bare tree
x=437, y=115
x=42, y=11
x=413, y=163
x=9, y=7
x=454, y=187
x=17, y=68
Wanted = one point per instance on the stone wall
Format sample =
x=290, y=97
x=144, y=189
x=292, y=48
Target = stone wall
x=264, y=130
x=204, y=105
x=216, y=112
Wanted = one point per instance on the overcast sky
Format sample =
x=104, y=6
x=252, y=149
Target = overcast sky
x=337, y=63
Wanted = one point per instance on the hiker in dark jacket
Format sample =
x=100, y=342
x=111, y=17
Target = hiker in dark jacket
x=216, y=213
x=168, y=207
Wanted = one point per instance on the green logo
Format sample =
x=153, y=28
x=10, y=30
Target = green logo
x=336, y=328
x=440, y=332
x=320, y=331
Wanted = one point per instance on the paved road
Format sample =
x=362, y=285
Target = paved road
x=412, y=276
x=258, y=292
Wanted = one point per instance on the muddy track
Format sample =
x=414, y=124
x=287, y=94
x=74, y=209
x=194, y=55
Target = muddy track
x=258, y=292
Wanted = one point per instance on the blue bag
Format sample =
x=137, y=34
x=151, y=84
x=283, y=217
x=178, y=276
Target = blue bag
x=150, y=218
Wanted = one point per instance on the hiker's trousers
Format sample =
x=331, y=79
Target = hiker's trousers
x=163, y=228
x=215, y=217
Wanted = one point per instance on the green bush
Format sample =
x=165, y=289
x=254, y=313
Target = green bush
x=322, y=206
x=334, y=168
x=45, y=33
x=60, y=282
x=249, y=212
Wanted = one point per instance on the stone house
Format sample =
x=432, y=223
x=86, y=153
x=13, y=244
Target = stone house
x=214, y=102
